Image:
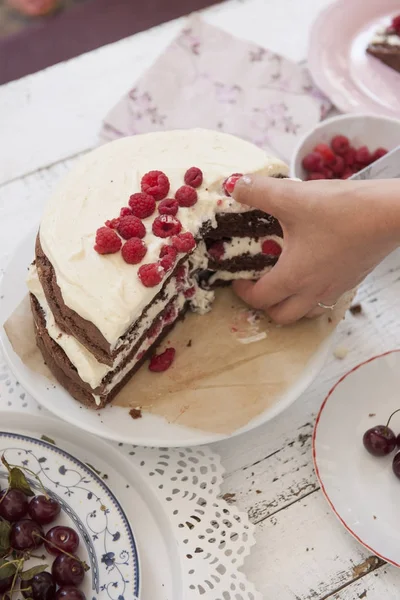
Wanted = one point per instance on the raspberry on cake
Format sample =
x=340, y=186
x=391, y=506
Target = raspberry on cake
x=385, y=45
x=114, y=292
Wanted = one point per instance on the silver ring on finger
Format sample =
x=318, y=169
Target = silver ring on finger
x=327, y=306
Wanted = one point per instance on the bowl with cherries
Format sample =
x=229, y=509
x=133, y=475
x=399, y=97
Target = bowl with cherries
x=342, y=146
x=63, y=534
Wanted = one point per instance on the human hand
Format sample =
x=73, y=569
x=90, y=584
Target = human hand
x=335, y=233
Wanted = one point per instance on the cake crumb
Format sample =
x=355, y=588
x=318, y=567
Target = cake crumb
x=189, y=344
x=340, y=352
x=258, y=492
x=229, y=498
x=374, y=517
x=356, y=309
x=253, y=338
x=135, y=413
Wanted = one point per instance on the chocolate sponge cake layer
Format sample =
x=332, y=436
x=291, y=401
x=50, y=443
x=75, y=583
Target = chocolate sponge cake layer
x=254, y=223
x=386, y=53
x=66, y=373
x=72, y=323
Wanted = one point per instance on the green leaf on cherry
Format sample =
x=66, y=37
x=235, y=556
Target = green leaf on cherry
x=26, y=575
x=7, y=569
x=16, y=478
x=18, y=481
x=47, y=439
x=5, y=529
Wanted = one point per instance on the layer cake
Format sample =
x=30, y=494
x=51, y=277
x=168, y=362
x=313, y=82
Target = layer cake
x=97, y=317
x=385, y=45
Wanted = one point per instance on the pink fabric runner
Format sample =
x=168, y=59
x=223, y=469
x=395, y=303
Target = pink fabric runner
x=208, y=78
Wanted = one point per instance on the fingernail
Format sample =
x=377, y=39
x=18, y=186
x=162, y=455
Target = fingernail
x=246, y=179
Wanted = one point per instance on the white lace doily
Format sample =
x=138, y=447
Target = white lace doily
x=214, y=538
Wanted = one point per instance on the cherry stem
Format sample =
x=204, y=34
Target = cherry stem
x=33, y=475
x=83, y=563
x=393, y=413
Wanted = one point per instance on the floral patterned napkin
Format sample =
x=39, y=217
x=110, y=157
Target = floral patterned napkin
x=208, y=78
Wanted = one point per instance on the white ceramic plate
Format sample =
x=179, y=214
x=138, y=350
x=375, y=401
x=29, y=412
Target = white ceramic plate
x=160, y=568
x=362, y=130
x=113, y=421
x=107, y=543
x=362, y=490
x=353, y=80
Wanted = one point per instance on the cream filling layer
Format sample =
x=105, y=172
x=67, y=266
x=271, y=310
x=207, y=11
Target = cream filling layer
x=228, y=276
x=90, y=370
x=238, y=246
x=103, y=288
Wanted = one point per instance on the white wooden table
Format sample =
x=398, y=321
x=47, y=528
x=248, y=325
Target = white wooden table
x=50, y=118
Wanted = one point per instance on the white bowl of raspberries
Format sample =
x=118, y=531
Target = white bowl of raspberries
x=339, y=147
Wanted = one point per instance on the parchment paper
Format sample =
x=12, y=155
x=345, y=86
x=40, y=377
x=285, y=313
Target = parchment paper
x=231, y=364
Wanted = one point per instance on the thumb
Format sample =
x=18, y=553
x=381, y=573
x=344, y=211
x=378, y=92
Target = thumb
x=270, y=194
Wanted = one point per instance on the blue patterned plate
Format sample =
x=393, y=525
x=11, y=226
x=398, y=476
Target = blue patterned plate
x=107, y=543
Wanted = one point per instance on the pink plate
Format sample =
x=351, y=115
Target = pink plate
x=353, y=80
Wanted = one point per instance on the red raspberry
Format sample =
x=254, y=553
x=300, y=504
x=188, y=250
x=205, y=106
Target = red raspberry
x=217, y=250
x=363, y=156
x=313, y=162
x=186, y=196
x=327, y=173
x=162, y=362
x=130, y=227
x=314, y=176
x=155, y=183
x=230, y=182
x=350, y=157
x=133, y=251
x=155, y=329
x=396, y=24
x=170, y=313
x=169, y=206
x=142, y=205
x=193, y=177
x=379, y=152
x=113, y=223
x=271, y=248
x=165, y=226
x=338, y=166
x=151, y=275
x=180, y=274
x=107, y=241
x=347, y=173
x=189, y=293
x=184, y=242
x=168, y=256
x=326, y=152
x=125, y=212
x=340, y=144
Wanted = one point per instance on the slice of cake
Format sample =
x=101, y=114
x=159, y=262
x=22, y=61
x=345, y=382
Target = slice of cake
x=386, y=44
x=140, y=231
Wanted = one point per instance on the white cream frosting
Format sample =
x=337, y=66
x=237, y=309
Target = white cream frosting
x=392, y=39
x=89, y=369
x=104, y=289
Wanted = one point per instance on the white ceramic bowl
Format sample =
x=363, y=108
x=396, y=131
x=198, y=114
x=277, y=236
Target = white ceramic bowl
x=362, y=130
